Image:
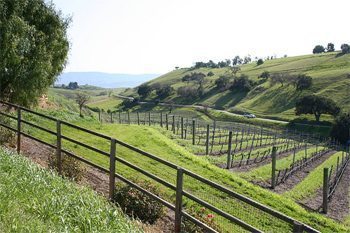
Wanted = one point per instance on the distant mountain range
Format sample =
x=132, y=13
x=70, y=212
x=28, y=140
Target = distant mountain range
x=105, y=80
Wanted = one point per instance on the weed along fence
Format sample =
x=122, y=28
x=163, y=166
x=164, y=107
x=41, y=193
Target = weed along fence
x=332, y=177
x=237, y=144
x=185, y=192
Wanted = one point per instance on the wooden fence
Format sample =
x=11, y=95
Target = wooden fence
x=179, y=187
x=332, y=178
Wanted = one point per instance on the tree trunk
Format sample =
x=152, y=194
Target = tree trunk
x=317, y=116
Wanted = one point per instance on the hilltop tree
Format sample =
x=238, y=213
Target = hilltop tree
x=345, y=48
x=237, y=61
x=247, y=59
x=260, y=62
x=81, y=99
x=341, y=128
x=330, y=47
x=73, y=85
x=144, y=90
x=33, y=49
x=316, y=105
x=318, y=49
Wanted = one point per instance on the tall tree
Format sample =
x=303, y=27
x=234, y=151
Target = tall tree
x=330, y=47
x=33, y=49
x=345, y=48
x=318, y=49
x=81, y=99
x=316, y=105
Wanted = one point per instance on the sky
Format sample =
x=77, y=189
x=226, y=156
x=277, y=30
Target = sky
x=154, y=36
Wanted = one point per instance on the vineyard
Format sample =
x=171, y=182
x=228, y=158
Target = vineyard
x=276, y=159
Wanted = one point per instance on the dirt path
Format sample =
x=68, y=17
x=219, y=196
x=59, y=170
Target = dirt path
x=338, y=207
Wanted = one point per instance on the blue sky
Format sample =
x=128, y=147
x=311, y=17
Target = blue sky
x=154, y=36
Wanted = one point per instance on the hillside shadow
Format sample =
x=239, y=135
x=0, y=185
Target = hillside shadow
x=231, y=99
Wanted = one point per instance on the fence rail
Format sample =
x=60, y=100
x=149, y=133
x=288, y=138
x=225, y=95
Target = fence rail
x=180, y=188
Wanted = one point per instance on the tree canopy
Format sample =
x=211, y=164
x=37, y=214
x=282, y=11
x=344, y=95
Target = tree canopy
x=318, y=49
x=33, y=49
x=316, y=105
x=341, y=128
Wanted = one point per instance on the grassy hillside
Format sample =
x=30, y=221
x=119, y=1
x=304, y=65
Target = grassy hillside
x=329, y=72
x=37, y=200
x=155, y=141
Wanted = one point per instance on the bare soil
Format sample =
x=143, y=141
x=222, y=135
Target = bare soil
x=339, y=206
x=93, y=178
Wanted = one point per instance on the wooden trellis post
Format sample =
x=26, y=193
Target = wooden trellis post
x=229, y=151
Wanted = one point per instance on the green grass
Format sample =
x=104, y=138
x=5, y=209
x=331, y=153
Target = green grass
x=36, y=200
x=329, y=72
x=153, y=140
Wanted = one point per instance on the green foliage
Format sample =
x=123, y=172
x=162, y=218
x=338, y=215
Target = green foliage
x=260, y=62
x=341, y=128
x=222, y=82
x=137, y=204
x=330, y=47
x=317, y=105
x=71, y=167
x=242, y=83
x=264, y=75
x=303, y=82
x=210, y=73
x=197, y=77
x=345, y=48
x=144, y=90
x=164, y=91
x=33, y=49
x=6, y=135
x=187, y=92
x=318, y=49
x=37, y=200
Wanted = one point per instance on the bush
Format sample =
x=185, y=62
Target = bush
x=144, y=90
x=340, y=129
x=137, y=204
x=260, y=62
x=303, y=82
x=71, y=167
x=345, y=48
x=164, y=91
x=187, y=92
x=242, y=83
x=6, y=135
x=203, y=215
x=222, y=82
x=318, y=49
x=210, y=73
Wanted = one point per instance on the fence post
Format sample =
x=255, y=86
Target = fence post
x=207, y=141
x=325, y=190
x=178, y=203
x=167, y=121
x=138, y=118
x=128, y=117
x=120, y=119
x=59, y=147
x=273, y=175
x=297, y=227
x=161, y=119
x=229, y=151
x=112, y=169
x=19, y=119
x=149, y=118
x=182, y=128
x=99, y=116
x=193, y=132
x=173, y=125
x=111, y=117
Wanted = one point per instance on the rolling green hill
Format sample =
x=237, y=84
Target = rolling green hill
x=329, y=72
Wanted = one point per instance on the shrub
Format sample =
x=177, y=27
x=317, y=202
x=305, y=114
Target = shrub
x=210, y=73
x=71, y=167
x=303, y=82
x=222, y=82
x=264, y=75
x=6, y=135
x=164, y=91
x=187, y=92
x=137, y=204
x=242, y=83
x=203, y=215
x=144, y=90
x=260, y=62
x=340, y=129
x=318, y=49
